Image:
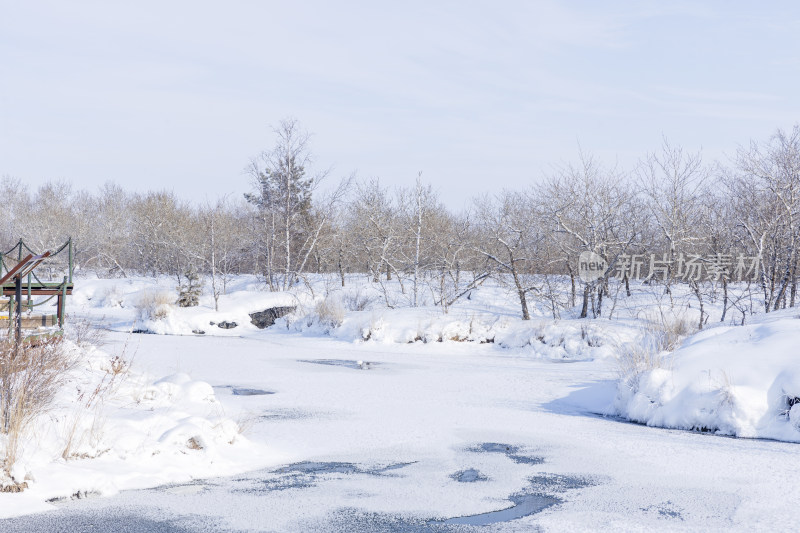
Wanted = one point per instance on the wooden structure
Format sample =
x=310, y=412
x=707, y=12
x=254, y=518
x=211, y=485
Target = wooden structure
x=18, y=280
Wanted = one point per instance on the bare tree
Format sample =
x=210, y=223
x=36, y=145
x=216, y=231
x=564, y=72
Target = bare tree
x=458, y=268
x=509, y=237
x=17, y=203
x=374, y=235
x=417, y=206
x=223, y=234
x=672, y=185
x=109, y=220
x=765, y=188
x=592, y=211
x=162, y=227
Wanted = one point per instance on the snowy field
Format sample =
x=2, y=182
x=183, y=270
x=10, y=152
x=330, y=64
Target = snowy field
x=363, y=418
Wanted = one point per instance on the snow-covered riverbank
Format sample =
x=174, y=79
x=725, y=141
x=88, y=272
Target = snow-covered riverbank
x=337, y=430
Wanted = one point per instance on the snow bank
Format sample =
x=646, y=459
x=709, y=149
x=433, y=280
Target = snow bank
x=542, y=337
x=112, y=429
x=147, y=305
x=732, y=380
x=354, y=314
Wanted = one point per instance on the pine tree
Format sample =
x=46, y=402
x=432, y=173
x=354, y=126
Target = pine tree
x=283, y=198
x=189, y=293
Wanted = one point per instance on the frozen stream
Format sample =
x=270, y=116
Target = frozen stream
x=436, y=437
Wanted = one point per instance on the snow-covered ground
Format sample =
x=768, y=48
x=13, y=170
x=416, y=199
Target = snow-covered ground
x=403, y=432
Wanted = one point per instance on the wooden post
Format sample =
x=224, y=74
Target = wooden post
x=62, y=300
x=18, y=317
x=10, y=314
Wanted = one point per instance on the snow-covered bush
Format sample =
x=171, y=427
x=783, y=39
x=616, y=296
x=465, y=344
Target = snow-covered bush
x=112, y=296
x=358, y=299
x=84, y=333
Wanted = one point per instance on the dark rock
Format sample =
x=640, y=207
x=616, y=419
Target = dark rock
x=267, y=317
x=227, y=325
x=198, y=332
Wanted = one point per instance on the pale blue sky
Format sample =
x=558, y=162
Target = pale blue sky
x=476, y=95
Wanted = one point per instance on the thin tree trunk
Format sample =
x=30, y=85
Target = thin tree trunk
x=585, y=307
x=572, y=282
x=214, y=287
x=418, y=238
x=524, y=304
x=340, y=264
x=724, y=298
x=696, y=290
x=600, y=293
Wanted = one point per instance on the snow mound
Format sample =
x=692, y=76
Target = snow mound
x=112, y=429
x=737, y=380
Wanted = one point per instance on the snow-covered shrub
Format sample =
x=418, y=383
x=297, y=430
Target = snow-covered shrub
x=31, y=375
x=84, y=333
x=112, y=296
x=357, y=300
x=154, y=305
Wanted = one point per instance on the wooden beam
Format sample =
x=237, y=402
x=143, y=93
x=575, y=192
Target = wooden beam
x=55, y=291
x=35, y=321
x=25, y=267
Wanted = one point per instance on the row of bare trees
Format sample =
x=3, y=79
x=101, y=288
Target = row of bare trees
x=673, y=211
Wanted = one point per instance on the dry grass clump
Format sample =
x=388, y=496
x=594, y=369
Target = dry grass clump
x=31, y=375
x=154, y=305
x=636, y=359
x=660, y=337
x=666, y=335
x=330, y=312
x=91, y=400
